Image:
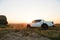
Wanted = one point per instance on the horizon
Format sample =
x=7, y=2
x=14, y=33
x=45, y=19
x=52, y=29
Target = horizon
x=25, y=11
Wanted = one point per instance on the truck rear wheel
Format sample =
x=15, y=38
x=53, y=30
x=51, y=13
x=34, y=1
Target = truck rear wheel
x=44, y=26
x=28, y=26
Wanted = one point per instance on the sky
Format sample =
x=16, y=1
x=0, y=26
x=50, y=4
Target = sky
x=18, y=11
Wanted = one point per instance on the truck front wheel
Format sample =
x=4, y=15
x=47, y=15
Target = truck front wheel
x=44, y=26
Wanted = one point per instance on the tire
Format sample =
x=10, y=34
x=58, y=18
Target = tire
x=28, y=26
x=44, y=26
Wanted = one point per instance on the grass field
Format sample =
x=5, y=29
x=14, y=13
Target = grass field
x=51, y=33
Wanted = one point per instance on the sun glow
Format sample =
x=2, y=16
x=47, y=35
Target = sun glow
x=28, y=20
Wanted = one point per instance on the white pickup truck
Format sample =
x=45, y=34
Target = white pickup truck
x=41, y=23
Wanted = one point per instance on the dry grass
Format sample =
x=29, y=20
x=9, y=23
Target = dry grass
x=53, y=34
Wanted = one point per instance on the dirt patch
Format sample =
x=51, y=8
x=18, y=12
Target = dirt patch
x=22, y=35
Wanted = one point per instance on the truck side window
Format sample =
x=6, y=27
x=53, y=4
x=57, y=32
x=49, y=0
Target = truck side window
x=36, y=21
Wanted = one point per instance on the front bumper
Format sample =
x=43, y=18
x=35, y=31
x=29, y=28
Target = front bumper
x=53, y=26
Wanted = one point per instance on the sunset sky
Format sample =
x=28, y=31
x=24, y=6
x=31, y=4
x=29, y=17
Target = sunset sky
x=18, y=11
